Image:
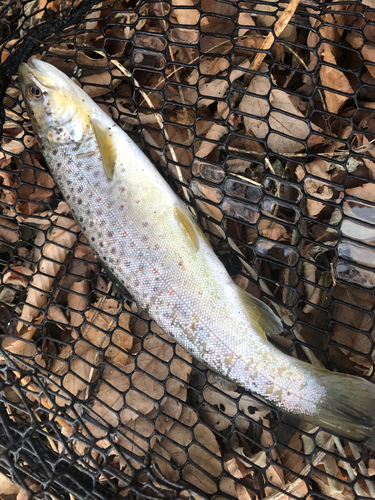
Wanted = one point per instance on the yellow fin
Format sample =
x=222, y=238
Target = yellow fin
x=106, y=146
x=188, y=225
x=260, y=314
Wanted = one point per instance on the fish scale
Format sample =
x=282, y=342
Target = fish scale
x=154, y=260
x=146, y=237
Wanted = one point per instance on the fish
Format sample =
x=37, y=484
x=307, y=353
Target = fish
x=151, y=245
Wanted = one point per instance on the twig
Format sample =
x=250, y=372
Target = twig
x=363, y=469
x=302, y=62
x=331, y=154
x=53, y=446
x=279, y=27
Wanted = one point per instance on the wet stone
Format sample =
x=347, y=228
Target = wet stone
x=283, y=190
x=359, y=210
x=357, y=253
x=355, y=274
x=279, y=210
x=357, y=231
x=243, y=190
x=239, y=210
x=277, y=251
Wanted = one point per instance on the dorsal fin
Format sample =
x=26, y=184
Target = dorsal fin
x=188, y=225
x=260, y=314
x=106, y=146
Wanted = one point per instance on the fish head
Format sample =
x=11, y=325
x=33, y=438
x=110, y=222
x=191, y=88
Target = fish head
x=53, y=102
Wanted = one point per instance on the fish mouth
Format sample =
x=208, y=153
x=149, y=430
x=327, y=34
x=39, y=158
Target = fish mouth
x=35, y=71
x=24, y=72
x=32, y=63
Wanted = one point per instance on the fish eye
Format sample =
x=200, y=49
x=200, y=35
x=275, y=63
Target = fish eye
x=34, y=92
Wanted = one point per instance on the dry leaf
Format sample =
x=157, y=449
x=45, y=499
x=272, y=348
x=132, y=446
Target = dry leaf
x=81, y=372
x=23, y=495
x=270, y=120
x=237, y=468
x=198, y=479
x=8, y=230
x=242, y=492
x=364, y=192
x=185, y=16
x=7, y=487
x=77, y=302
x=60, y=239
x=335, y=79
x=97, y=83
x=217, y=88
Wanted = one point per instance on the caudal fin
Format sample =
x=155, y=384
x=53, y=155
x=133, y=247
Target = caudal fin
x=348, y=406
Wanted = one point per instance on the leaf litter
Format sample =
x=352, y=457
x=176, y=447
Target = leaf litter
x=102, y=359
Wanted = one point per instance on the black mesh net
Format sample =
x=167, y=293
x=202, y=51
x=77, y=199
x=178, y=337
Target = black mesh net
x=268, y=134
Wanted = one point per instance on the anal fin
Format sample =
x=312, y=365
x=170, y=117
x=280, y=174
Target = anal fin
x=260, y=314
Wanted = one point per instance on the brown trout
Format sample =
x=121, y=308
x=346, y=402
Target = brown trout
x=147, y=239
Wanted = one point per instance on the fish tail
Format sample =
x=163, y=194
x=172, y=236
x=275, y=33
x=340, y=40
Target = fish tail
x=348, y=406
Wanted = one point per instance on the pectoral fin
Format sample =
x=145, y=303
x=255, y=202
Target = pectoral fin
x=260, y=314
x=106, y=146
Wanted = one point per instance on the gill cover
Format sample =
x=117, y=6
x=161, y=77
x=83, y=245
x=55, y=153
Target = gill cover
x=53, y=100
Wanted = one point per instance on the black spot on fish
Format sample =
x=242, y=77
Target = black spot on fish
x=58, y=165
x=79, y=202
x=92, y=239
x=54, y=152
